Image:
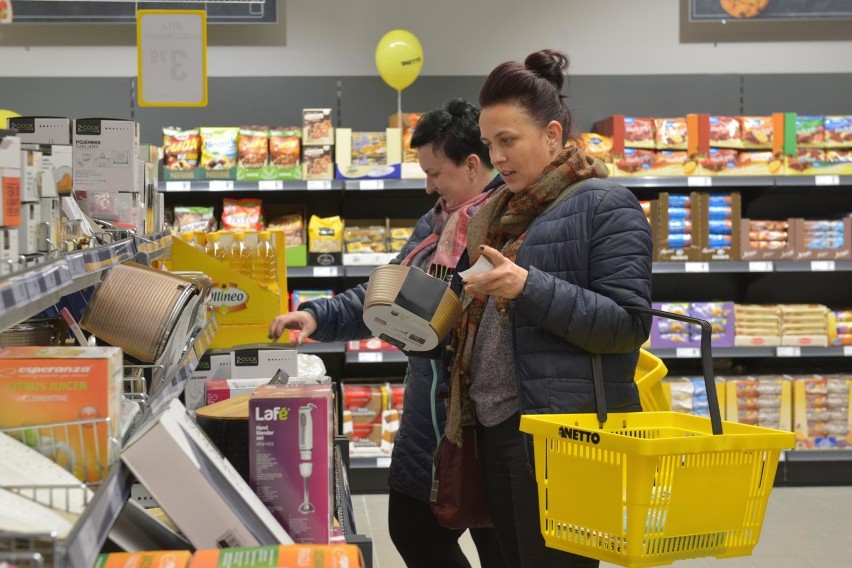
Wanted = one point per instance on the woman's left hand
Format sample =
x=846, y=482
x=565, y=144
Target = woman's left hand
x=506, y=280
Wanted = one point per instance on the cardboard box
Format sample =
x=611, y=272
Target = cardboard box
x=290, y=459
x=294, y=555
x=365, y=438
x=56, y=171
x=838, y=131
x=665, y=216
x=832, y=245
x=8, y=249
x=10, y=197
x=263, y=361
x=821, y=414
x=215, y=364
x=317, y=163
x=365, y=403
x=50, y=217
x=316, y=127
x=170, y=559
x=42, y=129
x=751, y=248
x=30, y=174
x=353, y=159
x=217, y=390
x=760, y=401
x=30, y=218
x=718, y=217
x=198, y=488
x=104, y=154
x=47, y=385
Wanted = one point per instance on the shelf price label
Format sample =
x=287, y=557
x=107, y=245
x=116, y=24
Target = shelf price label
x=325, y=271
x=699, y=181
x=696, y=267
x=822, y=266
x=761, y=266
x=788, y=351
x=826, y=180
x=369, y=357
x=372, y=184
x=688, y=352
x=383, y=463
x=221, y=185
x=270, y=185
x=178, y=186
x=319, y=184
x=171, y=58
x=847, y=350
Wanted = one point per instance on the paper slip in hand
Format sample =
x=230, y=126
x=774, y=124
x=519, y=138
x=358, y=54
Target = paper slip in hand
x=480, y=266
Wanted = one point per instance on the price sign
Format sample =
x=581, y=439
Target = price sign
x=383, y=463
x=370, y=357
x=847, y=350
x=687, y=352
x=325, y=271
x=221, y=185
x=319, y=184
x=696, y=267
x=826, y=180
x=178, y=186
x=699, y=181
x=171, y=57
x=761, y=266
x=372, y=184
x=822, y=266
x=788, y=351
x=270, y=185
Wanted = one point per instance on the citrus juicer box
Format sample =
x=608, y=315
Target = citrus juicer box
x=243, y=306
x=50, y=385
x=290, y=457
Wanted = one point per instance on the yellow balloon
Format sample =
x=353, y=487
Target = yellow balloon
x=6, y=114
x=399, y=58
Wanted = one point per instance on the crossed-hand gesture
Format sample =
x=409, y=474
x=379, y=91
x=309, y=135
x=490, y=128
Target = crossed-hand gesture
x=506, y=280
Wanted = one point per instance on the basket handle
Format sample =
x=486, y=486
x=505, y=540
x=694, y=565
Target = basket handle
x=706, y=367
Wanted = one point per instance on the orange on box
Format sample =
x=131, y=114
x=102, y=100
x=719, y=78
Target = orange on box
x=283, y=556
x=160, y=559
x=49, y=385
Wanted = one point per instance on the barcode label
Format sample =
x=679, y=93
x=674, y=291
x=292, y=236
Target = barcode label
x=696, y=267
x=761, y=266
x=178, y=186
x=372, y=184
x=325, y=271
x=221, y=185
x=383, y=462
x=822, y=266
x=826, y=180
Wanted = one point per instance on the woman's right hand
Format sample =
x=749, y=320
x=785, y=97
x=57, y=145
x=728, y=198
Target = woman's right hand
x=304, y=321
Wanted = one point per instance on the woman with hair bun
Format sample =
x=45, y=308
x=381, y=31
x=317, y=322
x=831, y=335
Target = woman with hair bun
x=570, y=250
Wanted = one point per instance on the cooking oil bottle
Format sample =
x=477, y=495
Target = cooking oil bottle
x=239, y=255
x=265, y=262
x=214, y=247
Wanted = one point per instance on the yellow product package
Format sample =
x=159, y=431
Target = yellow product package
x=325, y=234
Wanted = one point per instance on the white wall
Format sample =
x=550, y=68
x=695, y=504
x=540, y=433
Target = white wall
x=465, y=37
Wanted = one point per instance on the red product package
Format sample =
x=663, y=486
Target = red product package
x=242, y=214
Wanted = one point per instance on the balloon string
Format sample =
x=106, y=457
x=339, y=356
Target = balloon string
x=399, y=108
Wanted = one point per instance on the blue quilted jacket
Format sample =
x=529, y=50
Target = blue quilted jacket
x=587, y=256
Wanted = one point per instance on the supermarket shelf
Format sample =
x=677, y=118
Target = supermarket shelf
x=364, y=357
x=315, y=271
x=374, y=184
x=379, y=461
x=815, y=181
x=318, y=348
x=739, y=352
x=811, y=456
x=695, y=182
x=265, y=185
x=814, y=266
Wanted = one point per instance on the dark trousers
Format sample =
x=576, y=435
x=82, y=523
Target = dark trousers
x=513, y=500
x=423, y=543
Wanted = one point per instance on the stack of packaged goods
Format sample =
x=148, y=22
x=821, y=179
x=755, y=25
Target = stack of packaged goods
x=757, y=325
x=719, y=221
x=364, y=415
x=804, y=325
x=689, y=395
x=680, y=222
x=766, y=235
x=399, y=236
x=317, y=144
x=672, y=333
x=840, y=327
x=759, y=401
x=823, y=235
x=365, y=238
x=821, y=412
x=325, y=240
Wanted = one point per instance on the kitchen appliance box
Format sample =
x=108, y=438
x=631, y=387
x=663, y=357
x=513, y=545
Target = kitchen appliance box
x=105, y=155
x=46, y=385
x=42, y=129
x=290, y=457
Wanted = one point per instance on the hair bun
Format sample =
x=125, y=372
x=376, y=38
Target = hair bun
x=549, y=64
x=460, y=107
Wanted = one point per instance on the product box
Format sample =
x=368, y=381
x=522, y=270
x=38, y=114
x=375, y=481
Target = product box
x=8, y=249
x=821, y=412
x=767, y=239
x=196, y=486
x=368, y=155
x=56, y=170
x=829, y=239
x=760, y=401
x=10, y=199
x=217, y=390
x=367, y=345
x=316, y=127
x=285, y=151
x=30, y=174
x=215, y=364
x=689, y=395
x=317, y=162
x=365, y=403
x=816, y=162
x=670, y=133
x=46, y=385
x=49, y=215
x=757, y=325
x=365, y=438
x=668, y=333
x=838, y=131
x=719, y=217
x=161, y=559
x=810, y=131
x=30, y=218
x=105, y=154
x=290, y=556
x=262, y=361
x=675, y=226
x=42, y=129
x=627, y=132
x=290, y=457
x=406, y=121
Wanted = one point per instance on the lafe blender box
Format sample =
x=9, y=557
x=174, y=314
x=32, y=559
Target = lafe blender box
x=290, y=457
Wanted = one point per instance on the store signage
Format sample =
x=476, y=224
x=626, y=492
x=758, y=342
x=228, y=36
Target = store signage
x=171, y=53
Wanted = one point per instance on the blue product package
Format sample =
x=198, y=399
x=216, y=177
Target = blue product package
x=720, y=226
x=719, y=211
x=680, y=225
x=719, y=241
x=676, y=200
x=679, y=213
x=680, y=240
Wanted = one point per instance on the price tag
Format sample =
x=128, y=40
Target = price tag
x=178, y=186
x=782, y=456
x=372, y=184
x=221, y=185
x=761, y=266
x=171, y=57
x=699, y=181
x=315, y=184
x=688, y=352
x=788, y=351
x=32, y=287
x=847, y=350
x=19, y=292
x=370, y=357
x=270, y=185
x=383, y=463
x=325, y=271
x=696, y=267
x=822, y=266
x=826, y=180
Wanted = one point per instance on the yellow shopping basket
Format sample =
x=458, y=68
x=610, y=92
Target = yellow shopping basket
x=648, y=488
x=649, y=374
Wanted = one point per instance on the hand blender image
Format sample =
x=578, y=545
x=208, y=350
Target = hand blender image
x=306, y=446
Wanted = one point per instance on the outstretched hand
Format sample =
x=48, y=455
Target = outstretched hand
x=506, y=280
x=304, y=321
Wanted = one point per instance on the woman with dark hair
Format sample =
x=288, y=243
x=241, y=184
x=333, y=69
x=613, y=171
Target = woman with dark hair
x=459, y=171
x=569, y=251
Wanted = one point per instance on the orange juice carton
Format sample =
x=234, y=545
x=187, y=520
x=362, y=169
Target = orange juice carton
x=78, y=386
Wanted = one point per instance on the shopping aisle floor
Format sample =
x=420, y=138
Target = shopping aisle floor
x=805, y=527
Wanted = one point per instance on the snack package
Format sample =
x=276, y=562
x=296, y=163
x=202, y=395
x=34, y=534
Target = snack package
x=298, y=297
x=181, y=148
x=191, y=218
x=252, y=147
x=242, y=214
x=838, y=131
x=810, y=131
x=670, y=133
x=316, y=126
x=219, y=148
x=638, y=132
x=757, y=131
x=294, y=229
x=318, y=163
x=597, y=146
x=725, y=132
x=285, y=145
x=409, y=153
x=325, y=234
x=366, y=239
x=369, y=148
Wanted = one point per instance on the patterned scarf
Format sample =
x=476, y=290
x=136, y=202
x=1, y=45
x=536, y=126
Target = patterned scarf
x=439, y=253
x=502, y=224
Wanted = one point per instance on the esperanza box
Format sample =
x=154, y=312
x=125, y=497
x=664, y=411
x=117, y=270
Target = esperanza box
x=47, y=385
x=290, y=457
